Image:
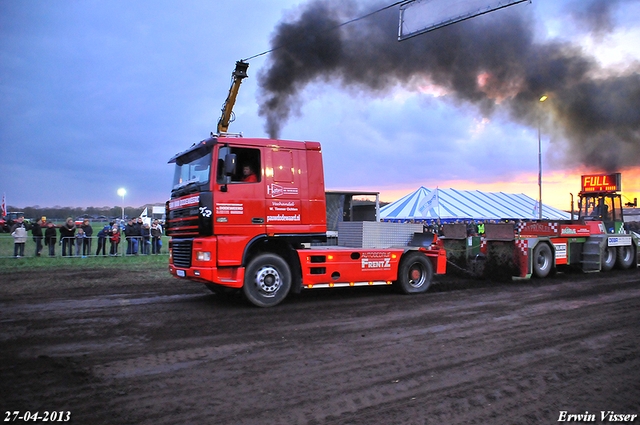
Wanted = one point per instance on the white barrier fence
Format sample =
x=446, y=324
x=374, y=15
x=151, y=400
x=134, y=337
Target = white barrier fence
x=83, y=247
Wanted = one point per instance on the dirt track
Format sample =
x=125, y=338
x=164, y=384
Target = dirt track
x=166, y=351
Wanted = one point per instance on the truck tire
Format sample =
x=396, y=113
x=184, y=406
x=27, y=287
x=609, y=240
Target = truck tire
x=626, y=256
x=608, y=258
x=542, y=260
x=267, y=280
x=415, y=274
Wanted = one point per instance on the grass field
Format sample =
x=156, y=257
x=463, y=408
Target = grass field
x=7, y=249
x=10, y=264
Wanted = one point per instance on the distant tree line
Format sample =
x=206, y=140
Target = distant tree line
x=61, y=213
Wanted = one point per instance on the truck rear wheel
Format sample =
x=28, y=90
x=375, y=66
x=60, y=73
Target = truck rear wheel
x=625, y=256
x=415, y=274
x=608, y=258
x=542, y=260
x=267, y=280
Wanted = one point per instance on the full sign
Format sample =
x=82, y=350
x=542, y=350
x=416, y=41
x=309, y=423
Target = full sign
x=602, y=183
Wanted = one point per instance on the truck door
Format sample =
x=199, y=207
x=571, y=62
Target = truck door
x=283, y=208
x=239, y=203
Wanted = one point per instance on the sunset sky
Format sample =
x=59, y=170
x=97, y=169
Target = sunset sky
x=99, y=95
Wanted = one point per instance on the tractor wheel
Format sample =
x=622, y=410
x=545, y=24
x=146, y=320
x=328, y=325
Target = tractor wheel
x=608, y=258
x=267, y=280
x=542, y=260
x=626, y=256
x=415, y=274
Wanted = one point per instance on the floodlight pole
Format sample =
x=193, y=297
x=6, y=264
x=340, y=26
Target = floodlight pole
x=542, y=99
x=122, y=192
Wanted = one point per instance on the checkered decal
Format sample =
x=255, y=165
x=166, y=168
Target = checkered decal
x=522, y=245
x=521, y=255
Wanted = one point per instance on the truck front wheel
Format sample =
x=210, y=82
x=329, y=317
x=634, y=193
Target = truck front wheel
x=267, y=280
x=608, y=258
x=415, y=274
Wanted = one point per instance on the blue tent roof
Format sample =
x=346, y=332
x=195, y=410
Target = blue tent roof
x=450, y=204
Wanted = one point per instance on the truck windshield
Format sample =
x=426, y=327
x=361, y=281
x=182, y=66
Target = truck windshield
x=192, y=173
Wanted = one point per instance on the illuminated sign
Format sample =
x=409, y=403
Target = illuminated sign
x=601, y=183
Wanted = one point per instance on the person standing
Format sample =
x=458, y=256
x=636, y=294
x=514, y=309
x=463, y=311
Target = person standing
x=129, y=231
x=156, y=235
x=67, y=232
x=36, y=232
x=19, y=233
x=80, y=237
x=145, y=239
x=137, y=225
x=114, y=239
x=50, y=239
x=102, y=240
x=88, y=233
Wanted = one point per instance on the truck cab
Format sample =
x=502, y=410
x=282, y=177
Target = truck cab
x=233, y=196
x=603, y=207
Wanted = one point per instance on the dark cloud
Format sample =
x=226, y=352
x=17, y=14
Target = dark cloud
x=493, y=62
x=595, y=16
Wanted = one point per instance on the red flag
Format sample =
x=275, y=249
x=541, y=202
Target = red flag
x=4, y=206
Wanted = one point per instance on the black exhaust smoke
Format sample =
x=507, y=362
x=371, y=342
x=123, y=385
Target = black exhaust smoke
x=493, y=62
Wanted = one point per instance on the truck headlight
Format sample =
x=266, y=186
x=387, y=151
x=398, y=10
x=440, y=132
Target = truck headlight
x=203, y=256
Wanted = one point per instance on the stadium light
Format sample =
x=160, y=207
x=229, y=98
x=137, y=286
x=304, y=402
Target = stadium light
x=542, y=99
x=122, y=192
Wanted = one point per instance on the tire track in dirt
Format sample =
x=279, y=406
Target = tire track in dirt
x=513, y=353
x=438, y=379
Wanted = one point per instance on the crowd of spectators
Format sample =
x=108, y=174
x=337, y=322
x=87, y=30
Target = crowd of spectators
x=76, y=239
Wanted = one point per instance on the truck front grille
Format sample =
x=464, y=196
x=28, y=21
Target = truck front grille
x=181, y=250
x=183, y=221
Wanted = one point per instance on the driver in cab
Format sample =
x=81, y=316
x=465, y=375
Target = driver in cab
x=248, y=176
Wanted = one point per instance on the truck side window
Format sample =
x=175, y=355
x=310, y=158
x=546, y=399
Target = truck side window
x=248, y=169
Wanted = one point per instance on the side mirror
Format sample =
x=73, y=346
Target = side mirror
x=230, y=164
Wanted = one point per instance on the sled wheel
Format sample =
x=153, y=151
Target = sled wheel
x=415, y=274
x=625, y=256
x=608, y=258
x=267, y=280
x=542, y=260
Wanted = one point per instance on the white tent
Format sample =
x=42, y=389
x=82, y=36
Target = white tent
x=451, y=204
